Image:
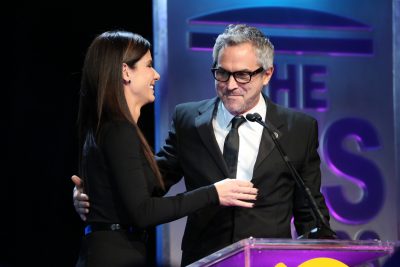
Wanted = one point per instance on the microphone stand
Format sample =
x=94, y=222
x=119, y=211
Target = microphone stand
x=322, y=230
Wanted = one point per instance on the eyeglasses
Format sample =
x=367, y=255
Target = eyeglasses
x=222, y=75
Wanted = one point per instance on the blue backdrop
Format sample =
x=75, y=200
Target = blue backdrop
x=334, y=60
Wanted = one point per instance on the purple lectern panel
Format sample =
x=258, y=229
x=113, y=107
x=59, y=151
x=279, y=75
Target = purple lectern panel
x=270, y=252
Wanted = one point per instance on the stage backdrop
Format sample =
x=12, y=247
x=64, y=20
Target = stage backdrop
x=335, y=60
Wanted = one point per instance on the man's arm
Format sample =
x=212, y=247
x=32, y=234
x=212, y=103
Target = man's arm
x=168, y=159
x=81, y=200
x=311, y=174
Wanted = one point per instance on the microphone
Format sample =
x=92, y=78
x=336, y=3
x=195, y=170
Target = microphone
x=322, y=230
x=255, y=117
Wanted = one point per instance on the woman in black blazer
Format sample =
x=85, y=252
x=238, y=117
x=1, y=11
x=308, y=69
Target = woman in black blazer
x=117, y=165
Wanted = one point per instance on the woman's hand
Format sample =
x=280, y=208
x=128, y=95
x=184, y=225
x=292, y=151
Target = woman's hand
x=234, y=192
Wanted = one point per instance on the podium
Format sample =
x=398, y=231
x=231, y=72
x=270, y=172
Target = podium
x=262, y=252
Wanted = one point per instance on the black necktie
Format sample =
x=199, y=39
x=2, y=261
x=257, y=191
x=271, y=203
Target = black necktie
x=231, y=146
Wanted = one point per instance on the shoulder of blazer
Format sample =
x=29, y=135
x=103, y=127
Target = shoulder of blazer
x=279, y=115
x=200, y=106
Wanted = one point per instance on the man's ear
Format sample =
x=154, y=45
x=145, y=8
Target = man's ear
x=267, y=75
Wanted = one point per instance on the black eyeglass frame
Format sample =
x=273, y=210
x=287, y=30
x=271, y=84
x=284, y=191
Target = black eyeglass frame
x=250, y=73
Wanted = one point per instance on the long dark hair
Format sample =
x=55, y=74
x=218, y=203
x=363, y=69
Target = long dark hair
x=102, y=94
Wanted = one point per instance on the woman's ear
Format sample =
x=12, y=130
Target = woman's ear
x=125, y=74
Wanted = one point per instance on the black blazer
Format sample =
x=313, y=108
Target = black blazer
x=123, y=189
x=191, y=150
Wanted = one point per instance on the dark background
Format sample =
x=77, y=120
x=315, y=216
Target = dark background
x=43, y=48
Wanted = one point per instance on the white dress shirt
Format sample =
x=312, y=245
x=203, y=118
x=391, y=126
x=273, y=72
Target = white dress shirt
x=249, y=137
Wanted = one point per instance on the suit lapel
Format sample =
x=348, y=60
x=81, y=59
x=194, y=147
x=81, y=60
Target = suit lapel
x=203, y=123
x=267, y=145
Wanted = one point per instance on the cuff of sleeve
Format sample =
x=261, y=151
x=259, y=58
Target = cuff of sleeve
x=213, y=195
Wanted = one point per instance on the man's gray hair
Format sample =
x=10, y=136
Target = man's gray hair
x=236, y=34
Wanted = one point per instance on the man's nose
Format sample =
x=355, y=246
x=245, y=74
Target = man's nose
x=232, y=83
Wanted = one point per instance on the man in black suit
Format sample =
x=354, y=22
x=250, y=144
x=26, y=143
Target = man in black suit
x=243, y=66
